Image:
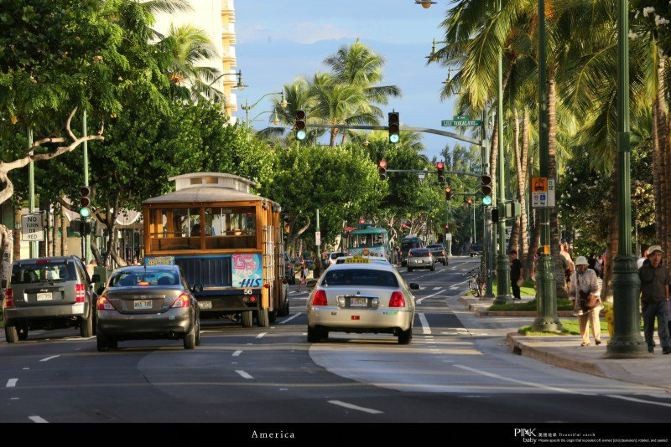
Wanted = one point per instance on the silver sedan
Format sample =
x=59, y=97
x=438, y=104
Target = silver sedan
x=361, y=297
x=421, y=258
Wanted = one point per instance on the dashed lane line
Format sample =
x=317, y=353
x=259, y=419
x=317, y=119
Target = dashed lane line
x=46, y=359
x=244, y=374
x=237, y=353
x=425, y=324
x=419, y=301
x=11, y=383
x=38, y=420
x=354, y=407
x=290, y=318
x=261, y=335
x=641, y=401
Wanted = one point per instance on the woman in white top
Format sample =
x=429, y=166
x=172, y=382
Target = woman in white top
x=584, y=279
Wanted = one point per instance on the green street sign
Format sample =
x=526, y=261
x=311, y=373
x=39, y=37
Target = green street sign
x=460, y=121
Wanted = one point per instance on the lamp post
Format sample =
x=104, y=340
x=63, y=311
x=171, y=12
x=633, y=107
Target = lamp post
x=276, y=119
x=626, y=341
x=247, y=107
x=239, y=85
x=502, y=266
x=547, y=319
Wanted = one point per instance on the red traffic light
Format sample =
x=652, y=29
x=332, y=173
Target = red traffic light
x=440, y=168
x=440, y=165
x=382, y=169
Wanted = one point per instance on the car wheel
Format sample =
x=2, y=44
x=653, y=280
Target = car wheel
x=433, y=268
x=246, y=318
x=272, y=316
x=190, y=338
x=22, y=332
x=404, y=337
x=86, y=326
x=315, y=334
x=11, y=334
x=263, y=318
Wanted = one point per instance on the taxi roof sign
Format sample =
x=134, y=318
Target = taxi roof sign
x=357, y=260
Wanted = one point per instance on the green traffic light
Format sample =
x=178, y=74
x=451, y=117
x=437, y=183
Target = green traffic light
x=84, y=212
x=300, y=135
x=393, y=138
x=487, y=200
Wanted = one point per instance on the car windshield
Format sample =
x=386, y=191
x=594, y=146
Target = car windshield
x=420, y=252
x=48, y=272
x=131, y=278
x=359, y=277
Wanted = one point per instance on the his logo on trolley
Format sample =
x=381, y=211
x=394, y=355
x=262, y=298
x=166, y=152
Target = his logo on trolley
x=247, y=270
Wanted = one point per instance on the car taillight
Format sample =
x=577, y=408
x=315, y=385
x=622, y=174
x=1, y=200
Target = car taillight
x=181, y=301
x=103, y=303
x=319, y=298
x=9, y=298
x=80, y=293
x=397, y=299
x=410, y=255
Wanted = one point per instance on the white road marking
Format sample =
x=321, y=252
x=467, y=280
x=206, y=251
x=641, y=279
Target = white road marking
x=13, y=398
x=425, y=324
x=419, y=301
x=26, y=368
x=354, y=407
x=38, y=420
x=244, y=374
x=250, y=343
x=261, y=335
x=641, y=401
x=437, y=288
x=290, y=318
x=237, y=353
x=11, y=383
x=521, y=382
x=284, y=389
x=46, y=359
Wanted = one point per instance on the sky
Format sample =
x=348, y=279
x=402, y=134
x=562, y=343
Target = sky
x=280, y=40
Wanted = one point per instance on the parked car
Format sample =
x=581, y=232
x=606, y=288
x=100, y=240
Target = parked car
x=361, y=297
x=147, y=303
x=421, y=258
x=438, y=253
x=48, y=293
x=333, y=256
x=476, y=250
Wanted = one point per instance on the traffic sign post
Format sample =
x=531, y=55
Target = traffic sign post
x=32, y=228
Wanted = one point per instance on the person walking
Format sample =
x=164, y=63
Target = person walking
x=515, y=274
x=304, y=274
x=583, y=284
x=654, y=278
x=569, y=266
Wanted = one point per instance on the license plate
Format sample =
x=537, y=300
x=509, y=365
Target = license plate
x=142, y=304
x=358, y=302
x=205, y=304
x=44, y=297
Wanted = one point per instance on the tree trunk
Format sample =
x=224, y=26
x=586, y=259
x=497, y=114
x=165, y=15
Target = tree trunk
x=515, y=233
x=64, y=233
x=661, y=155
x=16, y=233
x=560, y=279
x=522, y=182
x=530, y=263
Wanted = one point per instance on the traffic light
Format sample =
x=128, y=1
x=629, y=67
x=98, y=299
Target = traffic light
x=448, y=193
x=394, y=127
x=382, y=169
x=299, y=125
x=469, y=201
x=486, y=184
x=84, y=202
x=440, y=168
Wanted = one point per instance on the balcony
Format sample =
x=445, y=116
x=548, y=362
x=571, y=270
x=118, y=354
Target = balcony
x=228, y=34
x=228, y=55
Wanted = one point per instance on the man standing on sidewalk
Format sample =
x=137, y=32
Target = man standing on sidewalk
x=515, y=274
x=654, y=298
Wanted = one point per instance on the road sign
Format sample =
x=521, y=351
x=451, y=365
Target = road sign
x=318, y=238
x=460, y=121
x=31, y=227
x=542, y=192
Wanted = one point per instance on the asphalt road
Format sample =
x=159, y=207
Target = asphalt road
x=449, y=373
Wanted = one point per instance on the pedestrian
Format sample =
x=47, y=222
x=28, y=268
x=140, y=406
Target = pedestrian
x=91, y=267
x=654, y=278
x=304, y=274
x=515, y=274
x=641, y=260
x=569, y=266
x=585, y=288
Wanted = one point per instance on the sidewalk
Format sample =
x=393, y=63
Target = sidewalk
x=565, y=351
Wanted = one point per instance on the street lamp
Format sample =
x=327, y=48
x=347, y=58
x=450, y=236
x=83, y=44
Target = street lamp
x=239, y=84
x=426, y=4
x=276, y=119
x=247, y=107
x=626, y=341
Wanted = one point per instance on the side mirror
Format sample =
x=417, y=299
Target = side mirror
x=414, y=286
x=95, y=278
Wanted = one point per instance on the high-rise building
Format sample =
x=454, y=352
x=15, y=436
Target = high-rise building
x=217, y=19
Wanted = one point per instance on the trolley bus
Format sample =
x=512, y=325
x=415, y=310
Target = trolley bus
x=228, y=242
x=369, y=239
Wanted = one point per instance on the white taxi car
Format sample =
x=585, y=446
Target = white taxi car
x=361, y=296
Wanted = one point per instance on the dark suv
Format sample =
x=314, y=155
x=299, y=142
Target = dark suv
x=48, y=293
x=438, y=253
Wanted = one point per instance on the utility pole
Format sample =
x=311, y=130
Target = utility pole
x=626, y=341
x=547, y=319
x=87, y=237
